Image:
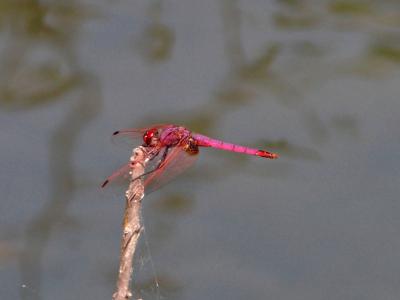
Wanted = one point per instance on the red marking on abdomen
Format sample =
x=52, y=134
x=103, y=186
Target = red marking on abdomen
x=266, y=154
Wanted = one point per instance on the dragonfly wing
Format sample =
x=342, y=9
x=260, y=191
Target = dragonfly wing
x=177, y=161
x=123, y=171
x=133, y=137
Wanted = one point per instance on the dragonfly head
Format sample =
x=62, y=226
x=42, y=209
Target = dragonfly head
x=150, y=136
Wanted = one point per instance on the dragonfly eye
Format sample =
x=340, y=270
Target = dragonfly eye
x=149, y=135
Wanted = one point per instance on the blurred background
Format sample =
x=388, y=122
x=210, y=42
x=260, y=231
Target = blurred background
x=316, y=81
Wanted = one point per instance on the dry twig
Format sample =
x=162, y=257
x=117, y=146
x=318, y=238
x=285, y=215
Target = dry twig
x=132, y=224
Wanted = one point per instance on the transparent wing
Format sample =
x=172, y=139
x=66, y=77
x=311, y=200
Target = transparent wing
x=176, y=162
x=123, y=171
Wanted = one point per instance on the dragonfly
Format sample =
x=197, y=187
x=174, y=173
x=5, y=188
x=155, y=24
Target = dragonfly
x=172, y=149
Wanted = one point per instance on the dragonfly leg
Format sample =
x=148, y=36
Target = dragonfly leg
x=164, y=156
x=153, y=153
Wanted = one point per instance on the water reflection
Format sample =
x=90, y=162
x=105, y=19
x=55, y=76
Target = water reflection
x=39, y=66
x=63, y=182
x=175, y=203
x=380, y=59
x=38, y=62
x=157, y=41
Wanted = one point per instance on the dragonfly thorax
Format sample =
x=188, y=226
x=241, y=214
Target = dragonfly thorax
x=172, y=136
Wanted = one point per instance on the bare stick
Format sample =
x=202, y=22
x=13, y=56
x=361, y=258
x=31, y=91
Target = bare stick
x=132, y=224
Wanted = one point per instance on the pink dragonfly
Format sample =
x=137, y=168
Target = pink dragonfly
x=173, y=149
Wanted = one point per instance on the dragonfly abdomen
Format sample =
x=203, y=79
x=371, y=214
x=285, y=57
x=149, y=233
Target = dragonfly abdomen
x=205, y=141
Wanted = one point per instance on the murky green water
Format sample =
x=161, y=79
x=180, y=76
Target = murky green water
x=316, y=81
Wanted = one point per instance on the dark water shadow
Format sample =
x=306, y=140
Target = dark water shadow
x=40, y=67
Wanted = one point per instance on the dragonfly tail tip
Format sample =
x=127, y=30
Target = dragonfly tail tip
x=274, y=156
x=116, y=132
x=266, y=154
